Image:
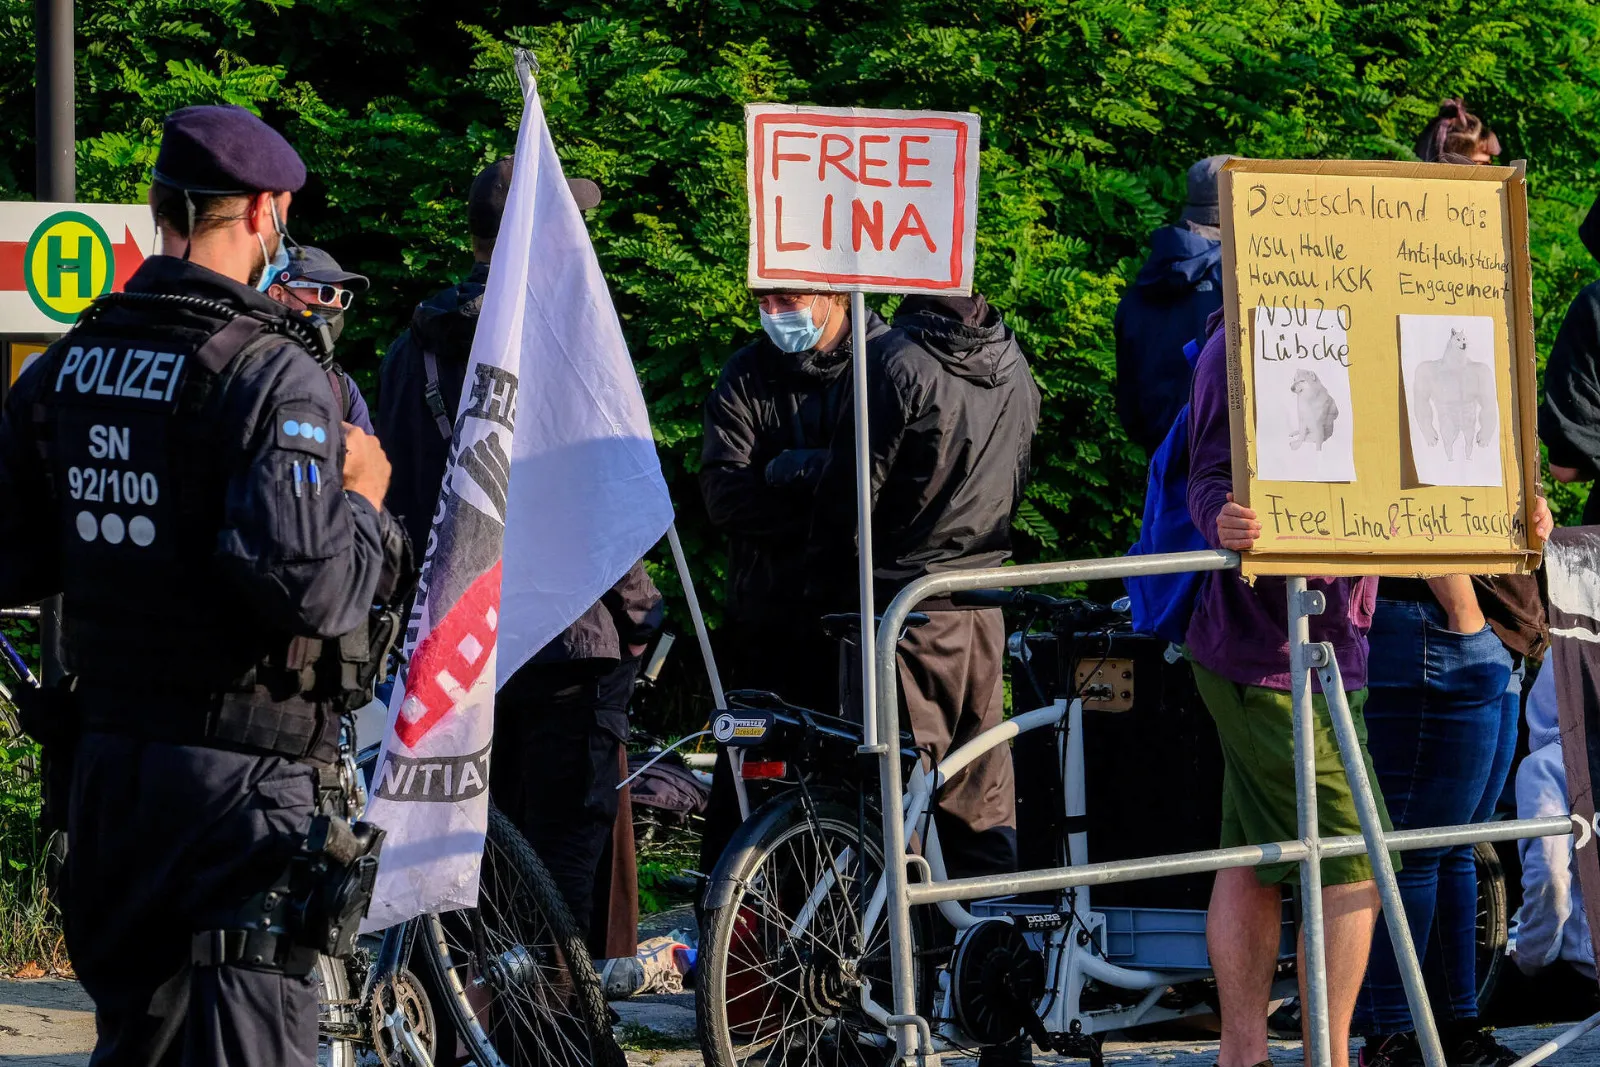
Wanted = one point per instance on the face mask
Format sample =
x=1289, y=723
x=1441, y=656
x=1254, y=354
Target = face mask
x=794, y=331
x=335, y=319
x=273, y=265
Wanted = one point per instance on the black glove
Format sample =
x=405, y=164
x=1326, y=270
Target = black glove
x=797, y=466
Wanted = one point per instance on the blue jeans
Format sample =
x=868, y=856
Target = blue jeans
x=1442, y=728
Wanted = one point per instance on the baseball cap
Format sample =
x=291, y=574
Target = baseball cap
x=486, y=201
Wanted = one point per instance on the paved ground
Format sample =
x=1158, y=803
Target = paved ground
x=50, y=1023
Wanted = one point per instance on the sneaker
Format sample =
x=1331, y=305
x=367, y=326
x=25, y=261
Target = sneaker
x=1479, y=1049
x=1392, y=1050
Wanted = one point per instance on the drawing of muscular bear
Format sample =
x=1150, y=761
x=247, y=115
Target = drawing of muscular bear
x=1460, y=391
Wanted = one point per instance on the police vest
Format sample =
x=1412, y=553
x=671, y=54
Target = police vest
x=138, y=458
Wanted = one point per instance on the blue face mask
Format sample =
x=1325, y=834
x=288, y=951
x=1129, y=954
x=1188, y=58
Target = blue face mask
x=277, y=264
x=793, y=331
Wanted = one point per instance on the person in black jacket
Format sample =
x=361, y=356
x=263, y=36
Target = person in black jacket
x=1165, y=308
x=768, y=426
x=562, y=719
x=1569, y=418
x=952, y=408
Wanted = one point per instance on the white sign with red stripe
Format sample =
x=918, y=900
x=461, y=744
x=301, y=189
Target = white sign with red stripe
x=861, y=199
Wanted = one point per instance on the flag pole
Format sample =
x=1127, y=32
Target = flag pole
x=682, y=563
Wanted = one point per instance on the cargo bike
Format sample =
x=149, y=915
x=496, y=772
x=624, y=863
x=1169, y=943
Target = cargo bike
x=1115, y=758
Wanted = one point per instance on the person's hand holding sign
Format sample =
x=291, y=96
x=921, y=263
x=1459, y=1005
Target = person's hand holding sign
x=1237, y=527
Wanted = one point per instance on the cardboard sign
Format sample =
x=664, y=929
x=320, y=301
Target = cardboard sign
x=854, y=199
x=55, y=259
x=1381, y=366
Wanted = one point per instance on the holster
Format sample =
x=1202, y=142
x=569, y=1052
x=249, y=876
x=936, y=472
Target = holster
x=51, y=716
x=331, y=883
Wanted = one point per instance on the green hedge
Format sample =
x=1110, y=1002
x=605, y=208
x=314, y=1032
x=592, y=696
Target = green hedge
x=1091, y=111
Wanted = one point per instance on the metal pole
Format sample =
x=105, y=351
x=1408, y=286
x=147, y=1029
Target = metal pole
x=864, y=570
x=54, y=136
x=1394, y=910
x=1302, y=605
x=682, y=563
x=53, y=101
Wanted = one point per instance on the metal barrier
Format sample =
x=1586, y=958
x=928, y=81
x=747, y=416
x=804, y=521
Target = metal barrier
x=881, y=719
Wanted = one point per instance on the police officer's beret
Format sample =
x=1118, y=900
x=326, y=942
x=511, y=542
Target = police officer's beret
x=220, y=149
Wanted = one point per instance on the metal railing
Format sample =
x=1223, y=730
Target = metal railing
x=881, y=719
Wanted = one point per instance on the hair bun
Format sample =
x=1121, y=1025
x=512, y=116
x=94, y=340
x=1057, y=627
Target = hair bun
x=1451, y=109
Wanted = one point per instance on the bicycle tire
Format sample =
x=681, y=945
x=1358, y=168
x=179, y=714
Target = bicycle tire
x=515, y=972
x=337, y=1014
x=750, y=905
x=1493, y=926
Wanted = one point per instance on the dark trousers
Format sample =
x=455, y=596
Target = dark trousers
x=951, y=690
x=1441, y=729
x=558, y=729
x=794, y=659
x=167, y=841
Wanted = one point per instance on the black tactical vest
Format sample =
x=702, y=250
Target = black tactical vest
x=139, y=456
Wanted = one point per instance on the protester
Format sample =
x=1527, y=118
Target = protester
x=1569, y=417
x=207, y=627
x=768, y=425
x=1448, y=658
x=1165, y=308
x=561, y=721
x=1455, y=131
x=313, y=281
x=419, y=383
x=1238, y=645
x=952, y=408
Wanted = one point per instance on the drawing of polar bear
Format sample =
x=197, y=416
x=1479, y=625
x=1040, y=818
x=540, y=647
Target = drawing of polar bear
x=1315, y=408
x=1460, y=392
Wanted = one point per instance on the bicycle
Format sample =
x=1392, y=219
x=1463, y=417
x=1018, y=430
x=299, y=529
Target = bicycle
x=795, y=939
x=514, y=974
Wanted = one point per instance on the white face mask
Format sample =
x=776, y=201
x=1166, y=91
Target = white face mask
x=273, y=265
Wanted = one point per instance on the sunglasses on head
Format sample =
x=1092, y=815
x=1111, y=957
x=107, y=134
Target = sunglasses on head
x=327, y=294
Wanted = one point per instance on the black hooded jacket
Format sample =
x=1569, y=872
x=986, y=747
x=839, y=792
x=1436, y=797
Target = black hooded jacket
x=768, y=403
x=952, y=409
x=1569, y=417
x=1165, y=308
x=417, y=448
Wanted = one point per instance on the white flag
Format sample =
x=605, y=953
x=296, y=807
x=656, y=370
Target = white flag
x=552, y=491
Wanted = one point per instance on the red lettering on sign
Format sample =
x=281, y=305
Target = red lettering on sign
x=785, y=246
x=787, y=157
x=451, y=659
x=911, y=225
x=907, y=161
x=868, y=162
x=873, y=226
x=835, y=158
x=827, y=221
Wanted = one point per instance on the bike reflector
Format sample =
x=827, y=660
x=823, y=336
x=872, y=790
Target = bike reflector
x=758, y=769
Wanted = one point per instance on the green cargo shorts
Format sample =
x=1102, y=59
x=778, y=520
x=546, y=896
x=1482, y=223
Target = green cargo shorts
x=1256, y=728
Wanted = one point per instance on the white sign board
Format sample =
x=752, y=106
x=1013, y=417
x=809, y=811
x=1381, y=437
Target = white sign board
x=856, y=199
x=55, y=259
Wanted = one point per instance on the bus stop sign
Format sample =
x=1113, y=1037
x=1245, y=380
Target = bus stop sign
x=55, y=259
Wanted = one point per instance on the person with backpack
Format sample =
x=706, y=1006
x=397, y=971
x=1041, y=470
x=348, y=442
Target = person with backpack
x=1238, y=646
x=561, y=721
x=313, y=281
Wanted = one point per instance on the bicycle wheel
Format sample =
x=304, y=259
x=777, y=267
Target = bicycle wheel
x=515, y=972
x=1494, y=921
x=337, y=1014
x=783, y=962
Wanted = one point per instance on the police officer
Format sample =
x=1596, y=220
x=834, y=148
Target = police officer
x=175, y=467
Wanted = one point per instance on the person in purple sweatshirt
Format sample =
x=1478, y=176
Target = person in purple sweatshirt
x=1238, y=644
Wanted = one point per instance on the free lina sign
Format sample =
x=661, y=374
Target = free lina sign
x=856, y=199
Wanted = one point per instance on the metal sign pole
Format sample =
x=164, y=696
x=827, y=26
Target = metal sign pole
x=54, y=134
x=869, y=677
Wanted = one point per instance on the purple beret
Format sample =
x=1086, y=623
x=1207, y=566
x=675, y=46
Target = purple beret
x=216, y=149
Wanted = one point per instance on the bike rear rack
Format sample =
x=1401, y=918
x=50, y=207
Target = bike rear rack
x=881, y=719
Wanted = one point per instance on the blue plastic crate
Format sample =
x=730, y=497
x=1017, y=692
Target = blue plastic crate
x=1163, y=939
